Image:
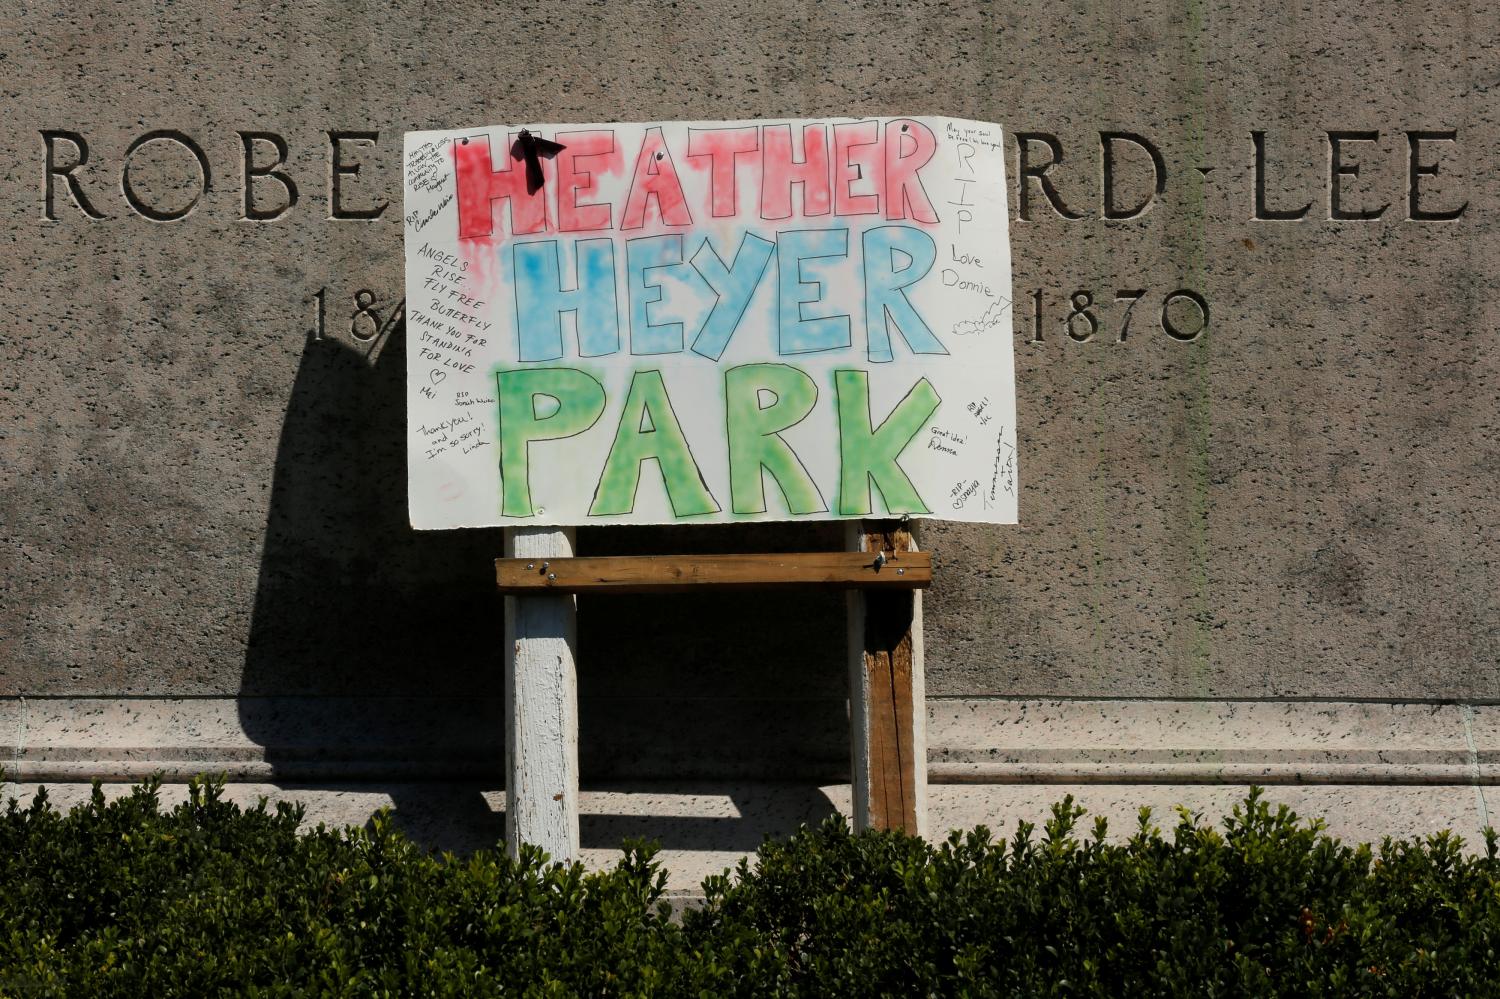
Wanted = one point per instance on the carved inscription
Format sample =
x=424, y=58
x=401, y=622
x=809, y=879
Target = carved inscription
x=1047, y=175
x=1130, y=174
x=365, y=321
x=261, y=203
x=1422, y=153
x=73, y=172
x=1343, y=163
x=1182, y=315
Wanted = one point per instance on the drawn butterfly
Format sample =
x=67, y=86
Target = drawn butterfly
x=529, y=147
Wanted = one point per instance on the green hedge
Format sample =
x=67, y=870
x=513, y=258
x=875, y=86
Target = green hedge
x=124, y=899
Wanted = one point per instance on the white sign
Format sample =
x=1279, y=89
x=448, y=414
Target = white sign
x=708, y=322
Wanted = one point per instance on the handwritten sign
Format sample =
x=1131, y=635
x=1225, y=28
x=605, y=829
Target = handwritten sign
x=708, y=322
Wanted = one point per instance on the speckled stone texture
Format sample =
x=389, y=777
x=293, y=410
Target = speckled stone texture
x=198, y=499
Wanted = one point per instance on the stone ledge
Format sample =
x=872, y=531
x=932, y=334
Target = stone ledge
x=1213, y=742
x=401, y=738
x=971, y=741
x=251, y=738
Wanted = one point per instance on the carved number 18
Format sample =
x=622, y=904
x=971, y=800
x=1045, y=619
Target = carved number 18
x=364, y=322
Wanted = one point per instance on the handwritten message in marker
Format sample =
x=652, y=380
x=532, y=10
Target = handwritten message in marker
x=708, y=322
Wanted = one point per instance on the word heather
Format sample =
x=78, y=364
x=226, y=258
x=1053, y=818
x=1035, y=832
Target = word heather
x=872, y=169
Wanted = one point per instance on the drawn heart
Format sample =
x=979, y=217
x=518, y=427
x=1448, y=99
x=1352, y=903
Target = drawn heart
x=437, y=376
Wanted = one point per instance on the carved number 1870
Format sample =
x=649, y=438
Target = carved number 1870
x=1183, y=315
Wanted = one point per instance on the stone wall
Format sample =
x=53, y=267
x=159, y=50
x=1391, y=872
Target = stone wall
x=202, y=509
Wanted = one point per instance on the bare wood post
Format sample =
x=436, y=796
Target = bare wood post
x=887, y=692
x=541, y=703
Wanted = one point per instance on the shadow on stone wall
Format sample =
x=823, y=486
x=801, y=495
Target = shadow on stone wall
x=375, y=650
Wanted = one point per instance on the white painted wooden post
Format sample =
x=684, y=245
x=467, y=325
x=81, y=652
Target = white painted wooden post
x=541, y=703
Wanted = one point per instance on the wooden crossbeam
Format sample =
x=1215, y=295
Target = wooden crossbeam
x=890, y=570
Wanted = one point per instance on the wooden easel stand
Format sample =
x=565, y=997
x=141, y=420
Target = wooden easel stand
x=540, y=577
